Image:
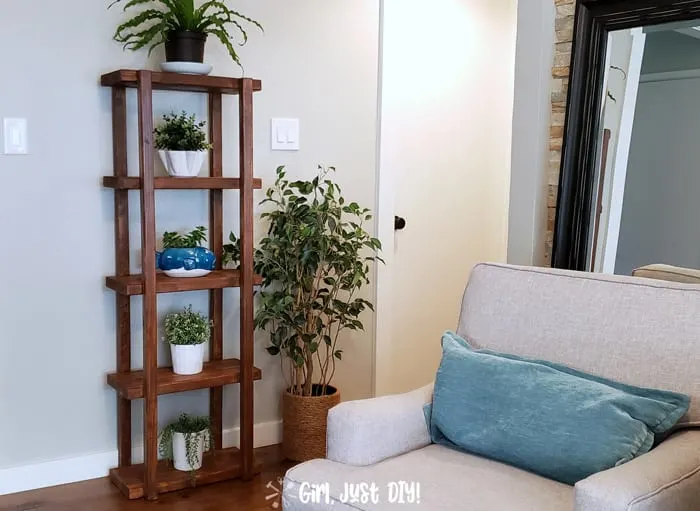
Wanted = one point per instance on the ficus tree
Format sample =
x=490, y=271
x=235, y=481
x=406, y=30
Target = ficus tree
x=314, y=261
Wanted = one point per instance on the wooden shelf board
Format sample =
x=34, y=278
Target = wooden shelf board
x=215, y=374
x=179, y=82
x=179, y=183
x=218, y=466
x=132, y=285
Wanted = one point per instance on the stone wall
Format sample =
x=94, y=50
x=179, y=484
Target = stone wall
x=564, y=27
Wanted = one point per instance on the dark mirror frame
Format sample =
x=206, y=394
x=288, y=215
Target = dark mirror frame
x=594, y=20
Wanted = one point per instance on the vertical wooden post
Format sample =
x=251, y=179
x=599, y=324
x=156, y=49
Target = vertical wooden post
x=216, y=241
x=148, y=259
x=121, y=257
x=247, y=283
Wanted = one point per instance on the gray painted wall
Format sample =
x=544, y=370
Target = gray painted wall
x=56, y=318
x=670, y=51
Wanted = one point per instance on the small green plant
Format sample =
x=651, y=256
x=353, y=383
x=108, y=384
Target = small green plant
x=187, y=328
x=150, y=27
x=193, y=239
x=195, y=430
x=232, y=251
x=181, y=132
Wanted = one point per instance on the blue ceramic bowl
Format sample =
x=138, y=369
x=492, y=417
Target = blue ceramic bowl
x=198, y=258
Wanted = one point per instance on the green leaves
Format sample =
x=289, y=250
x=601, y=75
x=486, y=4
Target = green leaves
x=313, y=261
x=193, y=239
x=195, y=429
x=187, y=328
x=150, y=27
x=181, y=132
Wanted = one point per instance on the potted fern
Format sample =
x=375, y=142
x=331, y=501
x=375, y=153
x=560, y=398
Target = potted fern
x=183, y=27
x=314, y=261
x=185, y=441
x=182, y=144
x=186, y=332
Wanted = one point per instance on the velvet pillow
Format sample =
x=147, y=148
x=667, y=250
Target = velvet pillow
x=543, y=417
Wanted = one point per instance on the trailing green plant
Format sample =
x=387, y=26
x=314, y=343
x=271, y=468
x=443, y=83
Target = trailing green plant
x=187, y=328
x=181, y=132
x=193, y=239
x=195, y=430
x=151, y=25
x=314, y=260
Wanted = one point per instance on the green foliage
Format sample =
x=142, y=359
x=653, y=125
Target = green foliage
x=232, y=252
x=155, y=19
x=195, y=429
x=314, y=260
x=187, y=328
x=193, y=239
x=181, y=133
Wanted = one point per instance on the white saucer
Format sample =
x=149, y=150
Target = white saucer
x=190, y=68
x=182, y=273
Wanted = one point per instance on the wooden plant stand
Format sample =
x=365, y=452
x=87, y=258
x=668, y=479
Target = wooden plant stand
x=154, y=477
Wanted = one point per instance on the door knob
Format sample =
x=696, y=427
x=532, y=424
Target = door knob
x=399, y=223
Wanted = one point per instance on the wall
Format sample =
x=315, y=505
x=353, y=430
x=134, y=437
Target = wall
x=318, y=61
x=660, y=209
x=531, y=113
x=670, y=51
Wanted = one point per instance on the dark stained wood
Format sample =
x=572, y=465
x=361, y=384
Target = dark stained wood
x=121, y=257
x=595, y=19
x=247, y=276
x=101, y=495
x=179, y=82
x=218, y=466
x=150, y=290
x=218, y=279
x=179, y=183
x=216, y=243
x=215, y=374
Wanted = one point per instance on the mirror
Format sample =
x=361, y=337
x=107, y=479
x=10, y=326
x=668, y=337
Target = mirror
x=647, y=171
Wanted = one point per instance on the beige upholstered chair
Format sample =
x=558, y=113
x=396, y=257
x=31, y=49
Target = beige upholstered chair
x=669, y=273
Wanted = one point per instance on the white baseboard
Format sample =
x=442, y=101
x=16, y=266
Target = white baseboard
x=92, y=466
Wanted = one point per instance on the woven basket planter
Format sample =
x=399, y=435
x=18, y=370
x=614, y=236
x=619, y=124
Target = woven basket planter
x=305, y=421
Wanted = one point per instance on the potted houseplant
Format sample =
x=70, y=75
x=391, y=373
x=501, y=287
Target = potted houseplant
x=182, y=144
x=185, y=441
x=186, y=332
x=183, y=27
x=314, y=261
x=184, y=256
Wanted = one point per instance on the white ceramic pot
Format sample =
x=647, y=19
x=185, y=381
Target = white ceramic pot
x=187, y=359
x=183, y=163
x=180, y=451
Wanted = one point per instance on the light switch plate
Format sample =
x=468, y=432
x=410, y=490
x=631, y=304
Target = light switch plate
x=15, y=134
x=285, y=134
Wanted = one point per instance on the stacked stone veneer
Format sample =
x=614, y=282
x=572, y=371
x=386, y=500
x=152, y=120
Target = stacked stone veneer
x=564, y=27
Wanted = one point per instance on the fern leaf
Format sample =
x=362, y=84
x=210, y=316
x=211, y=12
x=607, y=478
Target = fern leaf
x=223, y=36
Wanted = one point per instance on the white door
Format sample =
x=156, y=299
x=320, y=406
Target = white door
x=446, y=120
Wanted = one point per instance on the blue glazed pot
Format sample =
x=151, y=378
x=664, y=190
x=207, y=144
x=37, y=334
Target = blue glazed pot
x=198, y=258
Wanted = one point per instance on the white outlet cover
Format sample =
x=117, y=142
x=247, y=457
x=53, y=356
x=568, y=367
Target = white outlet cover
x=15, y=135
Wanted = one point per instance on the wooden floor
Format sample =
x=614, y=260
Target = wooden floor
x=100, y=495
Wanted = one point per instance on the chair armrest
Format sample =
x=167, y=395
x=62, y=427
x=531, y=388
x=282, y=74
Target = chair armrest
x=665, y=479
x=366, y=432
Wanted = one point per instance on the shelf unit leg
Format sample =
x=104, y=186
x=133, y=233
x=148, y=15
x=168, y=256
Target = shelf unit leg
x=148, y=260
x=247, y=282
x=216, y=240
x=121, y=257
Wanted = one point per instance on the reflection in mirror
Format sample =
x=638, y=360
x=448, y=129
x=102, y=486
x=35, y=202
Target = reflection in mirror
x=646, y=208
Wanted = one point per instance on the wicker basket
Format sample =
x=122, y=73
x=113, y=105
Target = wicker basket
x=305, y=424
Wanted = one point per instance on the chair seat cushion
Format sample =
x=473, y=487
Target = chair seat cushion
x=449, y=480
x=557, y=422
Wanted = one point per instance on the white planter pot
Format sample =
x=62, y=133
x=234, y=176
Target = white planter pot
x=180, y=451
x=187, y=359
x=183, y=163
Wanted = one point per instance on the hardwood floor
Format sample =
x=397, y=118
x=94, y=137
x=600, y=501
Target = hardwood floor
x=101, y=495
